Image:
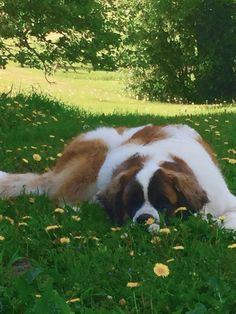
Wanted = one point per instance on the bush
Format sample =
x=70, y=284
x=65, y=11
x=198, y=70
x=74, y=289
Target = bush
x=189, y=47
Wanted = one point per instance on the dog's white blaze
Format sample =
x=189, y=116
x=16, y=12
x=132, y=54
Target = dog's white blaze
x=147, y=208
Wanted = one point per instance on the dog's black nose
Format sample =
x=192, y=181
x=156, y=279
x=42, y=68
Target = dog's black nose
x=143, y=218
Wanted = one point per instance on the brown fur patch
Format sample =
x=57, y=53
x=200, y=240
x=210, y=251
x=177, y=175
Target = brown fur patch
x=121, y=129
x=177, y=186
x=115, y=198
x=148, y=135
x=76, y=171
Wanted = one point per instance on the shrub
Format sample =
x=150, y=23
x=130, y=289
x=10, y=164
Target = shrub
x=189, y=47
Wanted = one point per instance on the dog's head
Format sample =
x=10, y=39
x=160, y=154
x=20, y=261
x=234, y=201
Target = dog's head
x=140, y=189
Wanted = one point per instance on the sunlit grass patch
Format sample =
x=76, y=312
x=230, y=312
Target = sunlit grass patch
x=53, y=259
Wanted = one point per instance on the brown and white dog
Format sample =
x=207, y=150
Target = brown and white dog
x=134, y=172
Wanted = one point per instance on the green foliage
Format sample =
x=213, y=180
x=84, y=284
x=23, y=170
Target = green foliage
x=186, y=50
x=51, y=33
x=95, y=266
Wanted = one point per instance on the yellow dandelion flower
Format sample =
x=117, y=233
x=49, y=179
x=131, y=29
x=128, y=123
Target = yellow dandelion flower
x=73, y=300
x=133, y=284
x=222, y=218
x=122, y=302
x=114, y=229
x=76, y=217
x=59, y=154
x=178, y=247
x=26, y=217
x=180, y=209
x=9, y=219
x=22, y=224
x=2, y=238
x=155, y=240
x=232, y=246
x=150, y=221
x=64, y=240
x=37, y=157
x=161, y=270
x=52, y=227
x=25, y=160
x=164, y=230
x=59, y=210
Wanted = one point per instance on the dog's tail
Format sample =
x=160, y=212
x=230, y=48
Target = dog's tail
x=12, y=185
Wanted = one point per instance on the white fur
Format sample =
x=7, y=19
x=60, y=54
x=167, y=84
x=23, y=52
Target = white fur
x=147, y=208
x=111, y=137
x=183, y=145
x=3, y=174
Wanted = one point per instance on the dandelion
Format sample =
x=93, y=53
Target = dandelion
x=9, y=219
x=232, y=246
x=180, y=209
x=131, y=253
x=52, y=227
x=25, y=160
x=2, y=238
x=133, y=284
x=222, y=218
x=38, y=295
x=59, y=154
x=32, y=200
x=161, y=270
x=178, y=247
x=150, y=221
x=73, y=300
x=164, y=230
x=22, y=224
x=76, y=218
x=64, y=240
x=37, y=157
x=114, y=229
x=59, y=210
x=122, y=302
x=155, y=240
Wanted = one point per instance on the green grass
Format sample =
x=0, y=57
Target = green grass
x=95, y=92
x=97, y=263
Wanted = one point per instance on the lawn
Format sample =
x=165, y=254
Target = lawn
x=59, y=261
x=95, y=92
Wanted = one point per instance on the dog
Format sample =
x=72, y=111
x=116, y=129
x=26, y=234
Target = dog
x=134, y=173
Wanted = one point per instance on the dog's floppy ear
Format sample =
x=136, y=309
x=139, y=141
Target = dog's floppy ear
x=170, y=189
x=189, y=191
x=111, y=198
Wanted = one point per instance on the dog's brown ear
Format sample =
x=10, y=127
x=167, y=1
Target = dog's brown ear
x=111, y=199
x=190, y=193
x=170, y=189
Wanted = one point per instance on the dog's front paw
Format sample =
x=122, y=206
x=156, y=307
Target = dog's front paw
x=230, y=220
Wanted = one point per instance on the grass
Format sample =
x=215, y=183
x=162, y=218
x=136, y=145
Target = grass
x=95, y=92
x=89, y=273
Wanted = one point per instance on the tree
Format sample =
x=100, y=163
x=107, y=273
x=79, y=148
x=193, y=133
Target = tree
x=187, y=50
x=49, y=33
